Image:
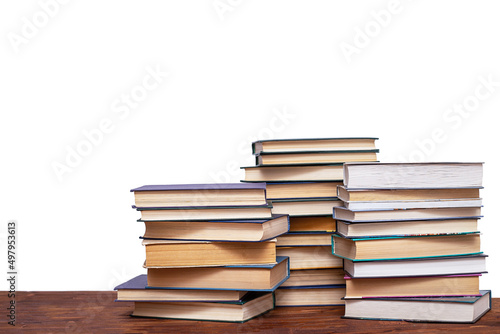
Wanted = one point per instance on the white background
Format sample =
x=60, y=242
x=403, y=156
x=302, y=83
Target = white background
x=230, y=73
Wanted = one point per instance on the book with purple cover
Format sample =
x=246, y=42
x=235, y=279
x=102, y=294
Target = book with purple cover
x=135, y=290
x=204, y=186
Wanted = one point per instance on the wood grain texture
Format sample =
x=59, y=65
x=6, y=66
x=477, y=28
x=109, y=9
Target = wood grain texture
x=96, y=312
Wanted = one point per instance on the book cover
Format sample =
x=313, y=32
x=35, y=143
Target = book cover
x=279, y=259
x=205, y=186
x=268, y=205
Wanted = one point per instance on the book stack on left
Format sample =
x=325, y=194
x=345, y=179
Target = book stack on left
x=408, y=234
x=210, y=252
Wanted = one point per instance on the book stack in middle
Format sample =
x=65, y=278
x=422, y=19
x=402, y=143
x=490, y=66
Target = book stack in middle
x=409, y=230
x=302, y=177
x=210, y=252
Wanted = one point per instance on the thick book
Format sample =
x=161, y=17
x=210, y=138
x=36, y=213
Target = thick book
x=430, y=309
x=251, y=230
x=406, y=214
x=314, y=157
x=305, y=207
x=313, y=144
x=135, y=290
x=243, y=277
x=312, y=224
x=251, y=306
x=322, y=295
x=314, y=277
x=206, y=212
x=386, y=248
x=304, y=239
x=214, y=194
x=172, y=253
x=310, y=257
x=448, y=265
x=302, y=173
x=285, y=190
x=422, y=286
x=406, y=227
x=388, y=195
x=413, y=175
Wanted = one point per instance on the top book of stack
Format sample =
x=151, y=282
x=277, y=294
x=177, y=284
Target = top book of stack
x=313, y=144
x=438, y=175
x=313, y=151
x=200, y=195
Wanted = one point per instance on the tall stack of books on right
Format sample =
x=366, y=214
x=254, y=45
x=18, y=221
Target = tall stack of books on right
x=408, y=235
x=302, y=176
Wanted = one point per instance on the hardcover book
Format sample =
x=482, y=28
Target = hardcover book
x=305, y=207
x=312, y=144
x=387, y=195
x=206, y=212
x=433, y=266
x=406, y=227
x=402, y=205
x=171, y=253
x=287, y=190
x=427, y=286
x=314, y=157
x=242, y=277
x=387, y=248
x=135, y=290
x=251, y=230
x=215, y=194
x=323, y=295
x=302, y=173
x=304, y=239
x=342, y=213
x=313, y=277
x=251, y=306
x=440, y=309
x=311, y=224
x=310, y=257
x=413, y=175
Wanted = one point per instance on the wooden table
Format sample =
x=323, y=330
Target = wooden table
x=96, y=312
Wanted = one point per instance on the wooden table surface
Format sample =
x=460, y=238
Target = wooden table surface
x=97, y=312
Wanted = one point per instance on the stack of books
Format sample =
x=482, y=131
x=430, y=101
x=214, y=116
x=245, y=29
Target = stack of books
x=210, y=252
x=408, y=236
x=302, y=176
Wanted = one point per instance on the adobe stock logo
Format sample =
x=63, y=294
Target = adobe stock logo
x=453, y=118
x=223, y=7
x=31, y=27
x=122, y=106
x=364, y=36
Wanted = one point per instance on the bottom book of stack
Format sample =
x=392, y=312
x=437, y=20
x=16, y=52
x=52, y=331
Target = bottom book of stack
x=425, y=309
x=214, y=305
x=234, y=293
